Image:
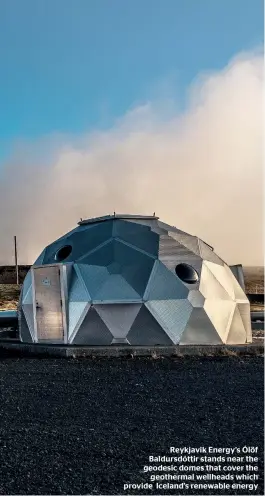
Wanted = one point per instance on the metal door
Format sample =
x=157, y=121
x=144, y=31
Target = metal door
x=48, y=304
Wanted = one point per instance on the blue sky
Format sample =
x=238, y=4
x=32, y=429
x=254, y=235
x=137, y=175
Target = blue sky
x=69, y=66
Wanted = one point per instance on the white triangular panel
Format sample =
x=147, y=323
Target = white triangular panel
x=220, y=313
x=240, y=296
x=222, y=276
x=237, y=333
x=244, y=310
x=210, y=287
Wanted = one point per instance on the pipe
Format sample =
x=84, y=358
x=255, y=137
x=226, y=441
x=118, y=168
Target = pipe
x=8, y=318
x=257, y=316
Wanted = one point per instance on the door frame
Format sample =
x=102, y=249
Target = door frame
x=63, y=294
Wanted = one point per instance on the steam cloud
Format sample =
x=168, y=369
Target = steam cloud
x=200, y=170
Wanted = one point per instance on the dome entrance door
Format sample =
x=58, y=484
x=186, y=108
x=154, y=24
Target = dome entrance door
x=48, y=304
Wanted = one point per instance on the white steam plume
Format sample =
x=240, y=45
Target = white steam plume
x=200, y=171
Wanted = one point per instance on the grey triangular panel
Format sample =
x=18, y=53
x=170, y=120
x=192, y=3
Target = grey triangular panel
x=164, y=285
x=120, y=341
x=118, y=318
x=28, y=312
x=116, y=288
x=237, y=333
x=169, y=247
x=24, y=331
x=190, y=242
x=69, y=269
x=78, y=290
x=93, y=331
x=196, y=298
x=208, y=254
x=200, y=330
x=168, y=228
x=77, y=312
x=146, y=331
x=94, y=277
x=153, y=224
x=172, y=315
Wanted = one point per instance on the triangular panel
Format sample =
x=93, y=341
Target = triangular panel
x=146, y=331
x=199, y=330
x=26, y=284
x=136, y=266
x=208, y=254
x=164, y=285
x=77, y=312
x=210, y=287
x=118, y=318
x=222, y=277
x=28, y=313
x=24, y=331
x=78, y=291
x=28, y=298
x=93, y=331
x=237, y=333
x=190, y=242
x=220, y=313
x=116, y=288
x=239, y=293
x=93, y=276
x=172, y=315
x=196, y=298
x=244, y=310
x=138, y=235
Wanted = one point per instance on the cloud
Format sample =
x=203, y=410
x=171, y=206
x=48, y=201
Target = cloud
x=200, y=170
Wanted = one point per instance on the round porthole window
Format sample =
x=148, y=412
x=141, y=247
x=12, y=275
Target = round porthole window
x=63, y=253
x=186, y=273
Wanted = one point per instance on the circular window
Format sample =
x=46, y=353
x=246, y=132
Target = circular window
x=187, y=273
x=63, y=253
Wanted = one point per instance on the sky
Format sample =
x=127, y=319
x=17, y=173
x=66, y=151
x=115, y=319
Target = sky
x=92, y=90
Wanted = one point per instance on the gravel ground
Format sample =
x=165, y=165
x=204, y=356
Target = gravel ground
x=89, y=426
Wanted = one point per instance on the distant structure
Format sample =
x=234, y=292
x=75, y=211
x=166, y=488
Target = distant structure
x=132, y=280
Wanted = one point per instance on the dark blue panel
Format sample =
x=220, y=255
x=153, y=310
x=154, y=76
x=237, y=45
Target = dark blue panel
x=82, y=241
x=136, y=267
x=138, y=235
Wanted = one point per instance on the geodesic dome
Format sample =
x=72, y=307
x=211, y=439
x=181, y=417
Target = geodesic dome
x=132, y=280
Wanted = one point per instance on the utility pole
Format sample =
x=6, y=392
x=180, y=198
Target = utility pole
x=15, y=243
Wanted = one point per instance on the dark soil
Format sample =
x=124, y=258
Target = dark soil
x=88, y=426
